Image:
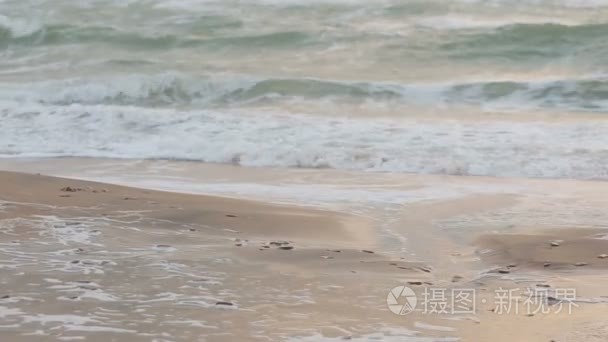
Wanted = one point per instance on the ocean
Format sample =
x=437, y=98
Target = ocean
x=469, y=87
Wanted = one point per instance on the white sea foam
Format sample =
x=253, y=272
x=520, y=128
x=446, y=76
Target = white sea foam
x=18, y=27
x=392, y=335
x=534, y=149
x=454, y=21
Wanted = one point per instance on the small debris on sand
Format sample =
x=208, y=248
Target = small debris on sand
x=414, y=282
x=367, y=251
x=552, y=300
x=602, y=256
x=543, y=285
x=580, y=264
x=88, y=287
x=286, y=248
x=70, y=189
x=129, y=198
x=555, y=243
x=547, y=264
x=163, y=246
x=326, y=257
x=230, y=215
x=239, y=244
x=456, y=278
x=5, y=297
x=224, y=303
x=278, y=243
x=504, y=271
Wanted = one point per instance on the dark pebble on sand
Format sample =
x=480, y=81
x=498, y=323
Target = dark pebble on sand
x=414, y=282
x=224, y=303
x=239, y=244
x=367, y=251
x=230, y=215
x=503, y=271
x=547, y=264
x=278, y=243
x=552, y=300
x=163, y=246
x=75, y=261
x=286, y=248
x=5, y=297
x=87, y=287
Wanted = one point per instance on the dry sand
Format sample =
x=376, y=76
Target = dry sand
x=102, y=262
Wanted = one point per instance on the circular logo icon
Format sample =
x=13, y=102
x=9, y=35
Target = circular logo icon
x=401, y=300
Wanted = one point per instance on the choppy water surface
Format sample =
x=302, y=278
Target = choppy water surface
x=326, y=84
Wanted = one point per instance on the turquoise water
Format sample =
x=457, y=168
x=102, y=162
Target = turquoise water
x=498, y=88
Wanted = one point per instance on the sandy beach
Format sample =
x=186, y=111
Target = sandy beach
x=97, y=262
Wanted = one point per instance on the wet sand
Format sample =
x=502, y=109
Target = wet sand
x=82, y=260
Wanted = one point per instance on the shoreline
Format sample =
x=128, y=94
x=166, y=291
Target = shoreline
x=318, y=272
